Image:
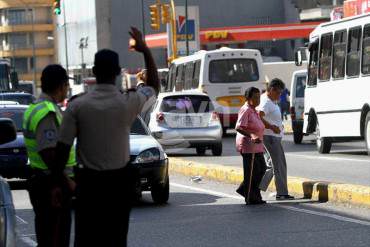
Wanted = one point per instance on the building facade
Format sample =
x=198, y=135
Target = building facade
x=27, y=36
x=106, y=24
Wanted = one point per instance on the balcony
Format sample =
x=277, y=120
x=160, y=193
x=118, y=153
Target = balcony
x=27, y=28
x=26, y=51
x=4, y=4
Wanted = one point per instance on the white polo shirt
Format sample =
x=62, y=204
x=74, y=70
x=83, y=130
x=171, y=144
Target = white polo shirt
x=272, y=115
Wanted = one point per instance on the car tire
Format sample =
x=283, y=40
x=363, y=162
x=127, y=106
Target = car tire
x=217, y=149
x=323, y=144
x=367, y=132
x=201, y=151
x=297, y=136
x=161, y=192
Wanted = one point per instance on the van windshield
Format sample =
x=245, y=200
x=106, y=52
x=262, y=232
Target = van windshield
x=299, y=89
x=233, y=70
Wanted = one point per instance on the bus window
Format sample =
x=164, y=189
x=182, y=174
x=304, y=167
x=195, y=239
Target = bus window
x=196, y=74
x=339, y=54
x=189, y=68
x=353, y=52
x=233, y=70
x=312, y=68
x=366, y=51
x=325, y=56
x=180, y=74
x=171, y=78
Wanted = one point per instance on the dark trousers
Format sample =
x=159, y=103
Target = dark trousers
x=103, y=205
x=259, y=169
x=52, y=225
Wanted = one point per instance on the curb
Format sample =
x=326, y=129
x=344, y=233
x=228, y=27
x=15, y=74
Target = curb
x=321, y=191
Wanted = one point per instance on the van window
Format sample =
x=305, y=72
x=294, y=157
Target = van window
x=325, y=56
x=180, y=76
x=189, y=71
x=339, y=54
x=353, y=55
x=299, y=87
x=196, y=74
x=366, y=51
x=312, y=67
x=186, y=104
x=233, y=70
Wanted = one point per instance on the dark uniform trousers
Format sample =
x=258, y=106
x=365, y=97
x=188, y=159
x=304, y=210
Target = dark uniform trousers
x=103, y=205
x=52, y=225
x=259, y=169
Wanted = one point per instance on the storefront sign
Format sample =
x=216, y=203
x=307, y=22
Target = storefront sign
x=217, y=35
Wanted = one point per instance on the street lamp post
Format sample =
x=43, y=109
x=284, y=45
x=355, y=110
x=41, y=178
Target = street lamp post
x=186, y=28
x=83, y=45
x=65, y=36
x=143, y=17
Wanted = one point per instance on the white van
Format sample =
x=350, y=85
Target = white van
x=297, y=87
x=224, y=74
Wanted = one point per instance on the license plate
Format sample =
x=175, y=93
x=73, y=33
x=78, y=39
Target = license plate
x=191, y=121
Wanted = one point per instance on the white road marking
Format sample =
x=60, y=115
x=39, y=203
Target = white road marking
x=306, y=211
x=325, y=158
x=28, y=241
x=21, y=220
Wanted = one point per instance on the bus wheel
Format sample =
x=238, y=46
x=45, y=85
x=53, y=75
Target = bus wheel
x=367, y=133
x=323, y=143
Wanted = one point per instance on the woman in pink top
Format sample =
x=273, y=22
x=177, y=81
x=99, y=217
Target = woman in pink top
x=249, y=140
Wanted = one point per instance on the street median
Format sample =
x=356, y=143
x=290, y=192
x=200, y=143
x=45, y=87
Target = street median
x=321, y=191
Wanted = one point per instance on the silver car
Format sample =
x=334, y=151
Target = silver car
x=186, y=120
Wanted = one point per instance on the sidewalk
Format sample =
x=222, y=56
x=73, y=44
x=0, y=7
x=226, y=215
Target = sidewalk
x=349, y=194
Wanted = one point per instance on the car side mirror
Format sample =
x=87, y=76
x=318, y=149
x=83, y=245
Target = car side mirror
x=298, y=58
x=8, y=131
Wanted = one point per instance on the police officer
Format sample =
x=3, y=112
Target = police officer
x=101, y=120
x=41, y=128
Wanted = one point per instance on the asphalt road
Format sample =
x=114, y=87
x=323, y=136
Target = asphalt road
x=347, y=162
x=212, y=214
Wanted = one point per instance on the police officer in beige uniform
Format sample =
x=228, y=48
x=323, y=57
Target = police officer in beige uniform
x=41, y=128
x=101, y=120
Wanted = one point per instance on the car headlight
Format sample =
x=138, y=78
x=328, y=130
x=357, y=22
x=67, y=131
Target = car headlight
x=147, y=156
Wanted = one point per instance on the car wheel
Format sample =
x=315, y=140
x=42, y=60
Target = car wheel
x=367, y=132
x=323, y=144
x=161, y=192
x=201, y=151
x=217, y=149
x=297, y=136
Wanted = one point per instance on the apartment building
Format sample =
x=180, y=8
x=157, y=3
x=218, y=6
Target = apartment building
x=27, y=36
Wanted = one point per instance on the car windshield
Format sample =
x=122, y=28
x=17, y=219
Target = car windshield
x=233, y=70
x=299, y=90
x=14, y=114
x=186, y=104
x=22, y=99
x=137, y=128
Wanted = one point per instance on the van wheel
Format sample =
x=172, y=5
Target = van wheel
x=367, y=132
x=217, y=149
x=297, y=136
x=161, y=192
x=201, y=151
x=323, y=144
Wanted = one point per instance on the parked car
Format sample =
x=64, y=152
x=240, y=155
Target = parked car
x=186, y=120
x=21, y=98
x=7, y=212
x=13, y=155
x=297, y=104
x=148, y=156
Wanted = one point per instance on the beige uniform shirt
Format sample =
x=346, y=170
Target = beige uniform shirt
x=101, y=120
x=47, y=130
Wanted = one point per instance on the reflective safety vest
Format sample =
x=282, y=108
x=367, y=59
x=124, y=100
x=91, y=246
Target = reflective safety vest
x=32, y=117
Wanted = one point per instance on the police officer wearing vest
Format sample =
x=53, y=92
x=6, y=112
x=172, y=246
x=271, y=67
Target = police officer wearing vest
x=101, y=120
x=41, y=128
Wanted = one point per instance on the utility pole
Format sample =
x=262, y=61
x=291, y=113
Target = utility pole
x=186, y=27
x=83, y=45
x=65, y=37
